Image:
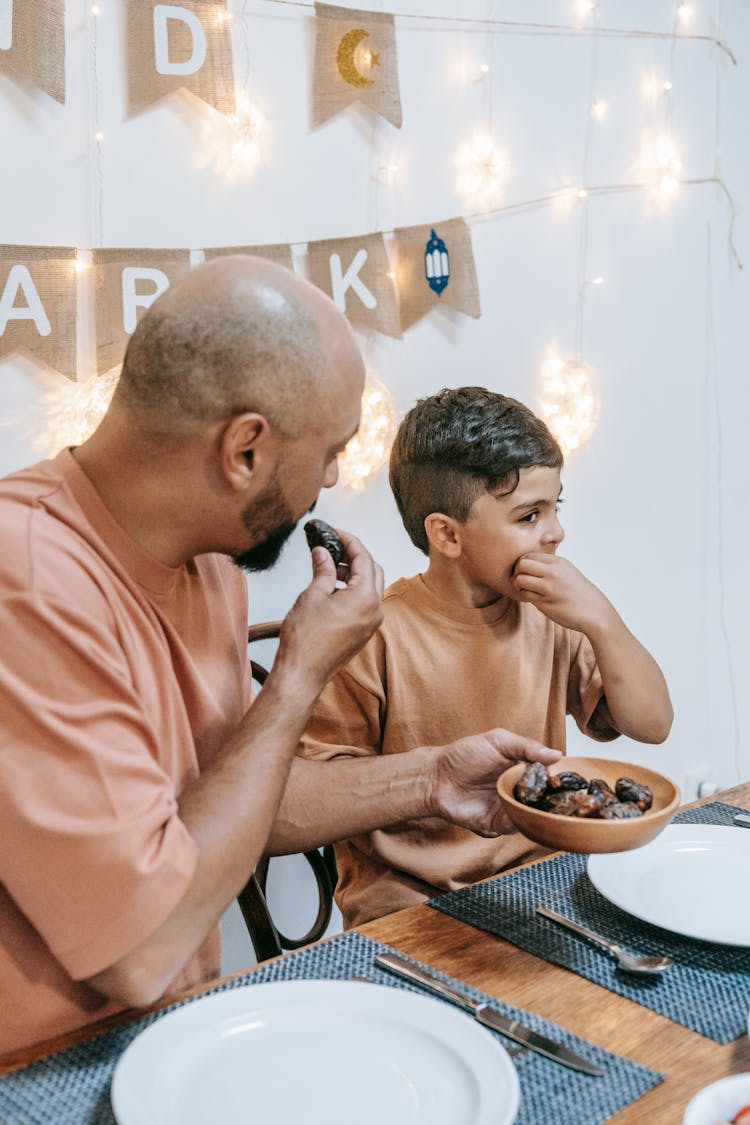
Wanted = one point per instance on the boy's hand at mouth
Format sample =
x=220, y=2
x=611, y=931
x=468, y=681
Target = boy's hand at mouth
x=561, y=592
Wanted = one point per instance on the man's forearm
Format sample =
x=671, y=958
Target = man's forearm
x=328, y=801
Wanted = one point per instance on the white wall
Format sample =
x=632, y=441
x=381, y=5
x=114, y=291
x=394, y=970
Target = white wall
x=656, y=501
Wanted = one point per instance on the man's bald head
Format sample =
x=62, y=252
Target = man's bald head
x=236, y=334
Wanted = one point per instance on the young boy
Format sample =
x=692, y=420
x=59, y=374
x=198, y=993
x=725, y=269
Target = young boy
x=499, y=631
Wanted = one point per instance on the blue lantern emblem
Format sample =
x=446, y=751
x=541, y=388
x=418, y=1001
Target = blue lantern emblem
x=437, y=268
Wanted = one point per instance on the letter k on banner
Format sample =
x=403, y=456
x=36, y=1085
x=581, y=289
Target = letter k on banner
x=356, y=274
x=184, y=46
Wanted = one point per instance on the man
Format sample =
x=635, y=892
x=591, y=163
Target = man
x=138, y=788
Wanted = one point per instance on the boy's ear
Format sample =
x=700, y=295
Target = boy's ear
x=443, y=535
x=240, y=443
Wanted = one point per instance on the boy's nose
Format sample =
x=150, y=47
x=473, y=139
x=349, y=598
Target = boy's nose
x=553, y=534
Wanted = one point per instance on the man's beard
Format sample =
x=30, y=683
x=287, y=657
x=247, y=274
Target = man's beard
x=269, y=511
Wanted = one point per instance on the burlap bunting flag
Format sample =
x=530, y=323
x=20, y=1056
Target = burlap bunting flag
x=127, y=282
x=355, y=61
x=436, y=267
x=279, y=252
x=356, y=273
x=38, y=305
x=37, y=48
x=179, y=46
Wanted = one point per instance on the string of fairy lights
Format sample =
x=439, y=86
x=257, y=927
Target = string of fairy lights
x=569, y=398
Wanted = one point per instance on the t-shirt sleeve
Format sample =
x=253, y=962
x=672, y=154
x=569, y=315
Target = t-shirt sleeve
x=92, y=849
x=349, y=716
x=586, y=700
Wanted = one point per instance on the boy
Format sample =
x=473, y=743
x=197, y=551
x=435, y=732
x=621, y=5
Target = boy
x=498, y=631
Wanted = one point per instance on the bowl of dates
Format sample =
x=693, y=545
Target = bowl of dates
x=588, y=804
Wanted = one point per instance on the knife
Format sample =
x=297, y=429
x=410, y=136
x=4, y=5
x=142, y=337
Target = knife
x=400, y=967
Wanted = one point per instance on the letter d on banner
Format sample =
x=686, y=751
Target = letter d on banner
x=162, y=13
x=179, y=47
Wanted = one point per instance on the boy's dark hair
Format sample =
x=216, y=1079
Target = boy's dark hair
x=458, y=444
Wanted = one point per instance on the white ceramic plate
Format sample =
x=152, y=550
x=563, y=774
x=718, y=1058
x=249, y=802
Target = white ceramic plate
x=319, y=1052
x=718, y=1102
x=692, y=879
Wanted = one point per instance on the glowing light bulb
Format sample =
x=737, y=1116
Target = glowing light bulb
x=95, y=10
x=582, y=193
x=82, y=266
x=232, y=143
x=482, y=169
x=98, y=136
x=368, y=450
x=599, y=109
x=667, y=86
x=569, y=401
x=74, y=410
x=684, y=12
x=484, y=68
x=586, y=7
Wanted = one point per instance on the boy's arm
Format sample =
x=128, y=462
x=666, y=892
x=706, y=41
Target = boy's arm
x=634, y=686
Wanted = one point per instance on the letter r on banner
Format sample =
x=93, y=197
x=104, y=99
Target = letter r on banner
x=350, y=280
x=20, y=278
x=132, y=300
x=164, y=12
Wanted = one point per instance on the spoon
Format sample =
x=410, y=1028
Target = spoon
x=643, y=964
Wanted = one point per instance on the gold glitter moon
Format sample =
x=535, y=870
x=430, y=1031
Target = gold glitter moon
x=345, y=58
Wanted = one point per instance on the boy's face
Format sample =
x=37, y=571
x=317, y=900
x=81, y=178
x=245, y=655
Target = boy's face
x=502, y=529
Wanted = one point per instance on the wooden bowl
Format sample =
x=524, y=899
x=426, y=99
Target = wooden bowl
x=581, y=834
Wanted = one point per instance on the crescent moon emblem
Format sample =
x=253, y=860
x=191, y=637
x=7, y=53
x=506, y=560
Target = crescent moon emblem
x=345, y=58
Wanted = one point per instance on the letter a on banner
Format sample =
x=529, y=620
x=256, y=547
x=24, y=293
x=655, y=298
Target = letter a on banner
x=36, y=51
x=174, y=47
x=127, y=282
x=356, y=274
x=38, y=305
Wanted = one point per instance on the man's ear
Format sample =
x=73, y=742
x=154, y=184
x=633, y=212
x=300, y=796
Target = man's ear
x=242, y=444
x=443, y=533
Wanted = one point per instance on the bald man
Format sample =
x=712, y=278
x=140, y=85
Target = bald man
x=138, y=786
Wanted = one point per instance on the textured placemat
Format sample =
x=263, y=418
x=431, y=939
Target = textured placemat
x=708, y=987
x=72, y=1087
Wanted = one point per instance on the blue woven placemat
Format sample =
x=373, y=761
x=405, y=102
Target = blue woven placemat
x=708, y=987
x=72, y=1087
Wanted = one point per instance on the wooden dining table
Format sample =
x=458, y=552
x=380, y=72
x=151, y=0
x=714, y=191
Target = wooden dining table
x=688, y=1060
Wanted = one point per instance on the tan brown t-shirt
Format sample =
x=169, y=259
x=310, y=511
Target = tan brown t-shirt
x=120, y=678
x=431, y=674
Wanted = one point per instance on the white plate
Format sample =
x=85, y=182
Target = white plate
x=319, y=1052
x=692, y=879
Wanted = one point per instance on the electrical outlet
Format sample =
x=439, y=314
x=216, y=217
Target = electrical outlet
x=696, y=779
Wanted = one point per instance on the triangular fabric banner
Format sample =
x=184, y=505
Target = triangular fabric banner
x=37, y=48
x=355, y=61
x=279, y=252
x=126, y=283
x=38, y=305
x=356, y=273
x=436, y=267
x=179, y=46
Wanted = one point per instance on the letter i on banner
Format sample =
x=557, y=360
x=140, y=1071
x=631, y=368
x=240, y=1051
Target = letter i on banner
x=356, y=274
x=32, y=44
x=175, y=47
x=38, y=305
x=127, y=283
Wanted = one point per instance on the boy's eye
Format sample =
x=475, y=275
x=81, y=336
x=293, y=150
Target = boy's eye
x=531, y=517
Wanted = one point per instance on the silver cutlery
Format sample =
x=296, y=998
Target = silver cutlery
x=742, y=820
x=642, y=964
x=403, y=968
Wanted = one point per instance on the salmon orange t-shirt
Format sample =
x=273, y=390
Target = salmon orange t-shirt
x=433, y=673
x=120, y=678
